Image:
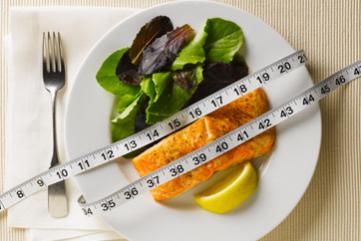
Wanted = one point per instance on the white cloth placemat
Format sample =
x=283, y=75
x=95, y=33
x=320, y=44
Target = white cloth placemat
x=28, y=118
x=70, y=235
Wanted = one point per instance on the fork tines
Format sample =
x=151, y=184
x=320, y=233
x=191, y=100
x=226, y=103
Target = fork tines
x=52, y=52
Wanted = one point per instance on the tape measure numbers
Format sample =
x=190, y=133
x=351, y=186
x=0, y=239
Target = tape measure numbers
x=225, y=143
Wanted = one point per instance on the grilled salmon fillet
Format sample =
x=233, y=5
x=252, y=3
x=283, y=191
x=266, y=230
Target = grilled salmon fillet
x=201, y=132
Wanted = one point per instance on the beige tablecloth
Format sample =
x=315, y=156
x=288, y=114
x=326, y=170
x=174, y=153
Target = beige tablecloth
x=330, y=33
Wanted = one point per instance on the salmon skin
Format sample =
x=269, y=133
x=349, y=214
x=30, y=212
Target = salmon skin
x=202, y=132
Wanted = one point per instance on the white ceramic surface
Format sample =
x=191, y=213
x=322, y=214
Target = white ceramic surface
x=283, y=180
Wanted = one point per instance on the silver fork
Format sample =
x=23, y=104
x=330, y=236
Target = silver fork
x=54, y=80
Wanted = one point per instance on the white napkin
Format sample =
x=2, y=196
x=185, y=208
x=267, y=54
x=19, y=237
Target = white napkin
x=28, y=119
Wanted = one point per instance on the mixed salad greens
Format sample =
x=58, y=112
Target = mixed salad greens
x=167, y=68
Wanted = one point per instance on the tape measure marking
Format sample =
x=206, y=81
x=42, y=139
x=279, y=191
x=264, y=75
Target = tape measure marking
x=155, y=132
x=225, y=143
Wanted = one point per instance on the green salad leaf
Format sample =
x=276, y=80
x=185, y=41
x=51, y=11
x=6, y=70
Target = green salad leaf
x=122, y=102
x=123, y=123
x=147, y=86
x=173, y=98
x=193, y=53
x=160, y=81
x=225, y=39
x=108, y=79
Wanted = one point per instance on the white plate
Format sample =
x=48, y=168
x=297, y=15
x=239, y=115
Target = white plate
x=284, y=179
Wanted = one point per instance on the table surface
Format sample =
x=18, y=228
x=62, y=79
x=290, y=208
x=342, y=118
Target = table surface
x=330, y=33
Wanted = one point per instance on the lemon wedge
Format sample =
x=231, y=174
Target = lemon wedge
x=229, y=193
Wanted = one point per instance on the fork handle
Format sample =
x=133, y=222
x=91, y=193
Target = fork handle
x=57, y=200
x=55, y=157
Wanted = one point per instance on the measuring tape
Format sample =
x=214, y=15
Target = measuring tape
x=225, y=143
x=160, y=130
